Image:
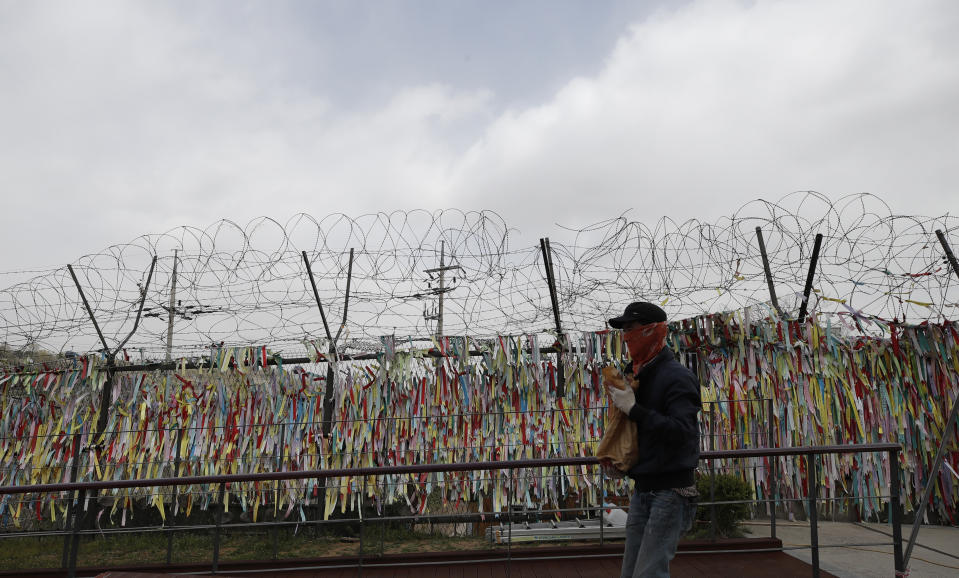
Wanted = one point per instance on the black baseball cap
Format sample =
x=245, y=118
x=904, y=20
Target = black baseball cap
x=638, y=312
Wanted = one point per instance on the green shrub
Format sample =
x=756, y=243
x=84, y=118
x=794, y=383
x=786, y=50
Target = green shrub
x=729, y=517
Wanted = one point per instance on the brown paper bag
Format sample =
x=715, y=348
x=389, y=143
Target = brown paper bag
x=620, y=442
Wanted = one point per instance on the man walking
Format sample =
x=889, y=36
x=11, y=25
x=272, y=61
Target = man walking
x=665, y=408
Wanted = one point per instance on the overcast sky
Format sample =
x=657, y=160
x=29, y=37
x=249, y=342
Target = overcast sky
x=119, y=118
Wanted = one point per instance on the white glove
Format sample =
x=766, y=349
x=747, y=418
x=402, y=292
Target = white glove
x=623, y=398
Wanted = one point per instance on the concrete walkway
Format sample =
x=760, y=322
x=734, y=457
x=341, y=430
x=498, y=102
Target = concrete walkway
x=843, y=548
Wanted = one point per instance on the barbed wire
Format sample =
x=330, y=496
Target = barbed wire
x=247, y=284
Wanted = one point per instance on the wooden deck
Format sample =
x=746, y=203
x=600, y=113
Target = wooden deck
x=760, y=564
x=745, y=565
x=581, y=562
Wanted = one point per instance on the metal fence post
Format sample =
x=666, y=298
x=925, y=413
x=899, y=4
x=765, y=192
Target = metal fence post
x=767, y=271
x=812, y=482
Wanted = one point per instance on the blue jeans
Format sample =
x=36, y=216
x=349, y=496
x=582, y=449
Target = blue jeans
x=656, y=521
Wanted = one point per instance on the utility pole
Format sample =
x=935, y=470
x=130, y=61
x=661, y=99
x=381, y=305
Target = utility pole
x=442, y=269
x=171, y=312
x=439, y=318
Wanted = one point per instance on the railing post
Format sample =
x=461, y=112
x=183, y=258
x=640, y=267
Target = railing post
x=78, y=515
x=812, y=484
x=754, y=418
x=216, y=530
x=280, y=464
x=712, y=472
x=362, y=524
x=895, y=513
x=71, y=523
x=602, y=505
x=774, y=477
x=176, y=494
x=509, y=521
x=382, y=523
x=277, y=458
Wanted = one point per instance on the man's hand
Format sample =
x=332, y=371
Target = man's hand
x=623, y=398
x=609, y=470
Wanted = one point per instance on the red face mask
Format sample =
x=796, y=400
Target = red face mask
x=644, y=342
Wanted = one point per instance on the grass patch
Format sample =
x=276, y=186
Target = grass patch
x=196, y=546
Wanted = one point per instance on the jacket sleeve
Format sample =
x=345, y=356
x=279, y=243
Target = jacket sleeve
x=678, y=422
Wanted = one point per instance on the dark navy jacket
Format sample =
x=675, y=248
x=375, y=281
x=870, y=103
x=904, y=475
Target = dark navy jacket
x=666, y=416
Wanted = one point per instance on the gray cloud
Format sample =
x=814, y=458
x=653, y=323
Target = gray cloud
x=124, y=118
x=700, y=109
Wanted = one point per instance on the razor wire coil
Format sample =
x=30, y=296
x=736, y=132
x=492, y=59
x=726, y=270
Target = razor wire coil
x=241, y=284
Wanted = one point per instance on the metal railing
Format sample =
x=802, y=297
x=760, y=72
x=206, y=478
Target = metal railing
x=809, y=453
